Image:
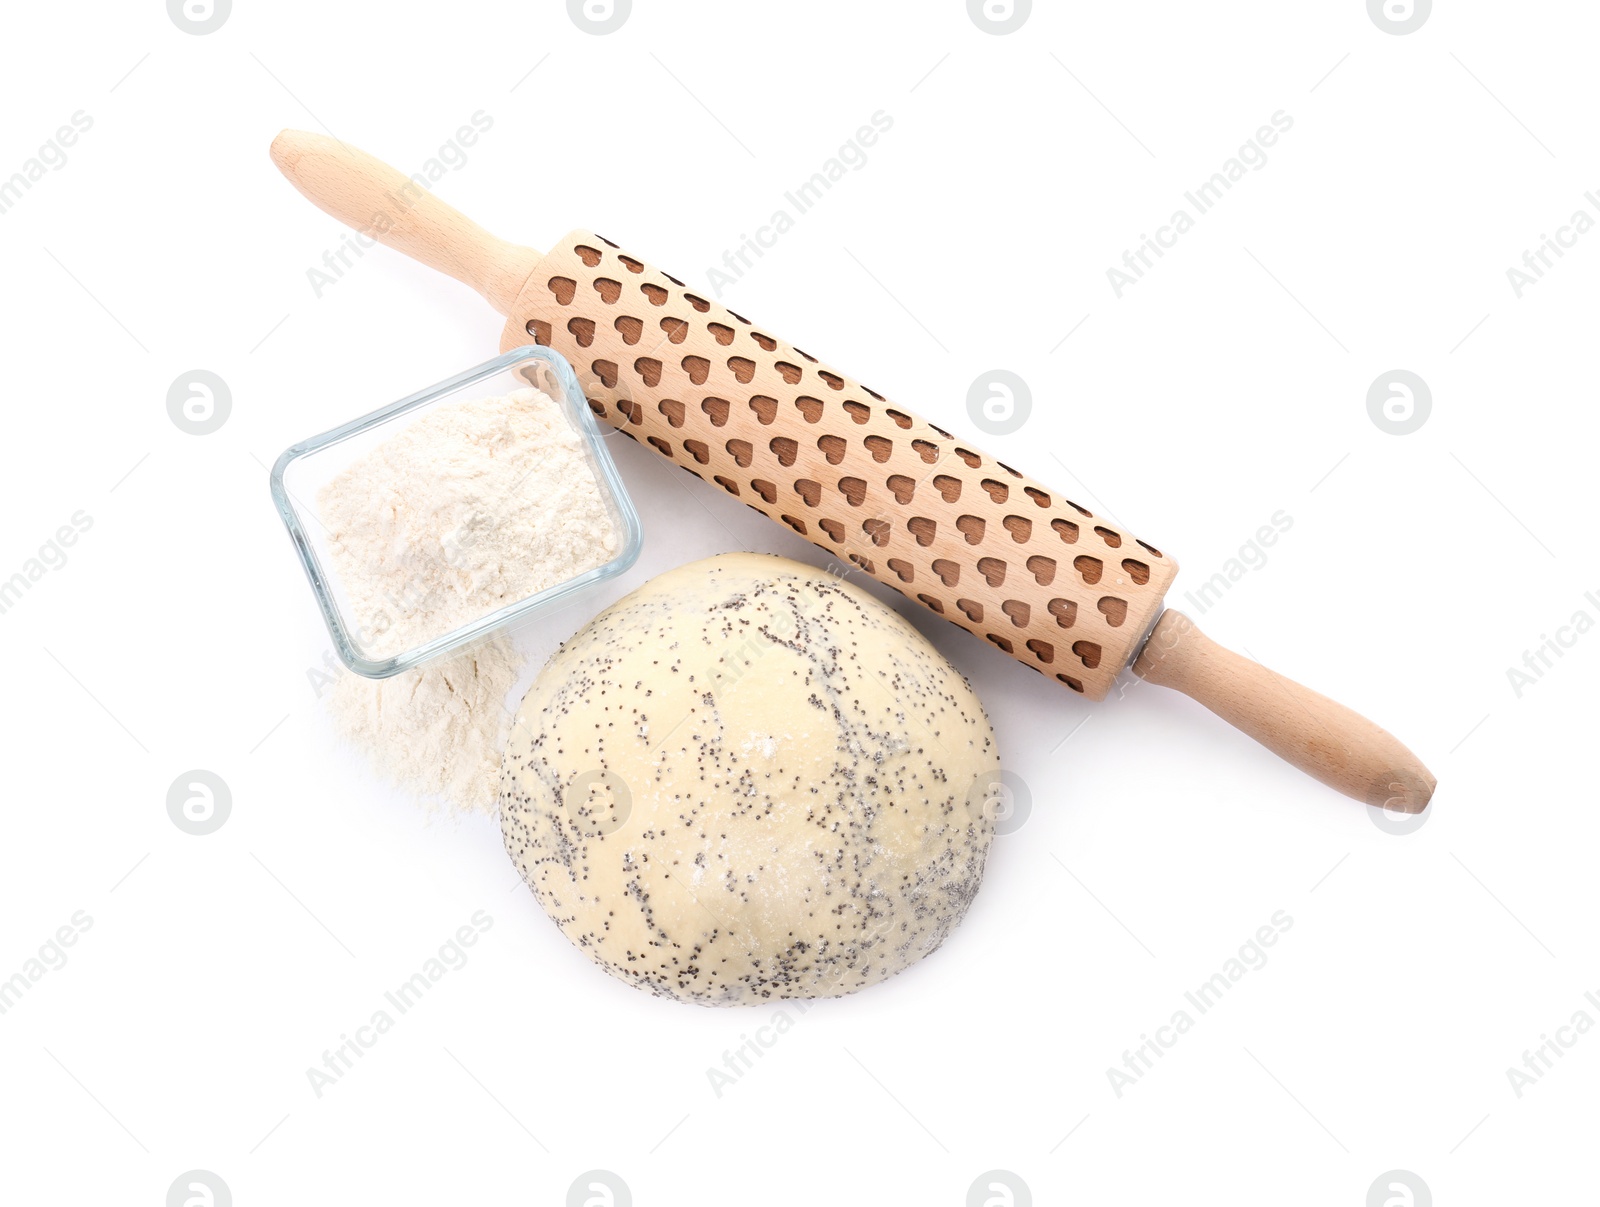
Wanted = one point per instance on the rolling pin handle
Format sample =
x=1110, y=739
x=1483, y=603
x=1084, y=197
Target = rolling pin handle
x=1324, y=739
x=400, y=212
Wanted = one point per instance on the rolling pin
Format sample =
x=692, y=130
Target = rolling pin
x=1041, y=578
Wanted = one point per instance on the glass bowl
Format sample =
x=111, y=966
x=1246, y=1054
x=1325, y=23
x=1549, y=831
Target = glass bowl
x=304, y=469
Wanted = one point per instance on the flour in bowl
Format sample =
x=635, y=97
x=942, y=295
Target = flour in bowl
x=475, y=506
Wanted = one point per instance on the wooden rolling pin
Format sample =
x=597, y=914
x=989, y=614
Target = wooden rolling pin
x=1063, y=591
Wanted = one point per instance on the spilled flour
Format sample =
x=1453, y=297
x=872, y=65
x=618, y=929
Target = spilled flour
x=437, y=732
x=474, y=506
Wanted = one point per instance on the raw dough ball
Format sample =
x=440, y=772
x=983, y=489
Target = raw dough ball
x=750, y=780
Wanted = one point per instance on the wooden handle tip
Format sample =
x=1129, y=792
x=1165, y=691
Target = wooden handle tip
x=287, y=148
x=1407, y=790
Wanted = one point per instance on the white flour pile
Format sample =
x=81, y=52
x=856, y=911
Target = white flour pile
x=474, y=506
x=437, y=732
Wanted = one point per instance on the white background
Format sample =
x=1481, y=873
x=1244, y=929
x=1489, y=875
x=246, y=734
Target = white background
x=1226, y=386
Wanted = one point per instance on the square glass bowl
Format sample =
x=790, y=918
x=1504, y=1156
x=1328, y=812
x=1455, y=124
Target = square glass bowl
x=303, y=470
